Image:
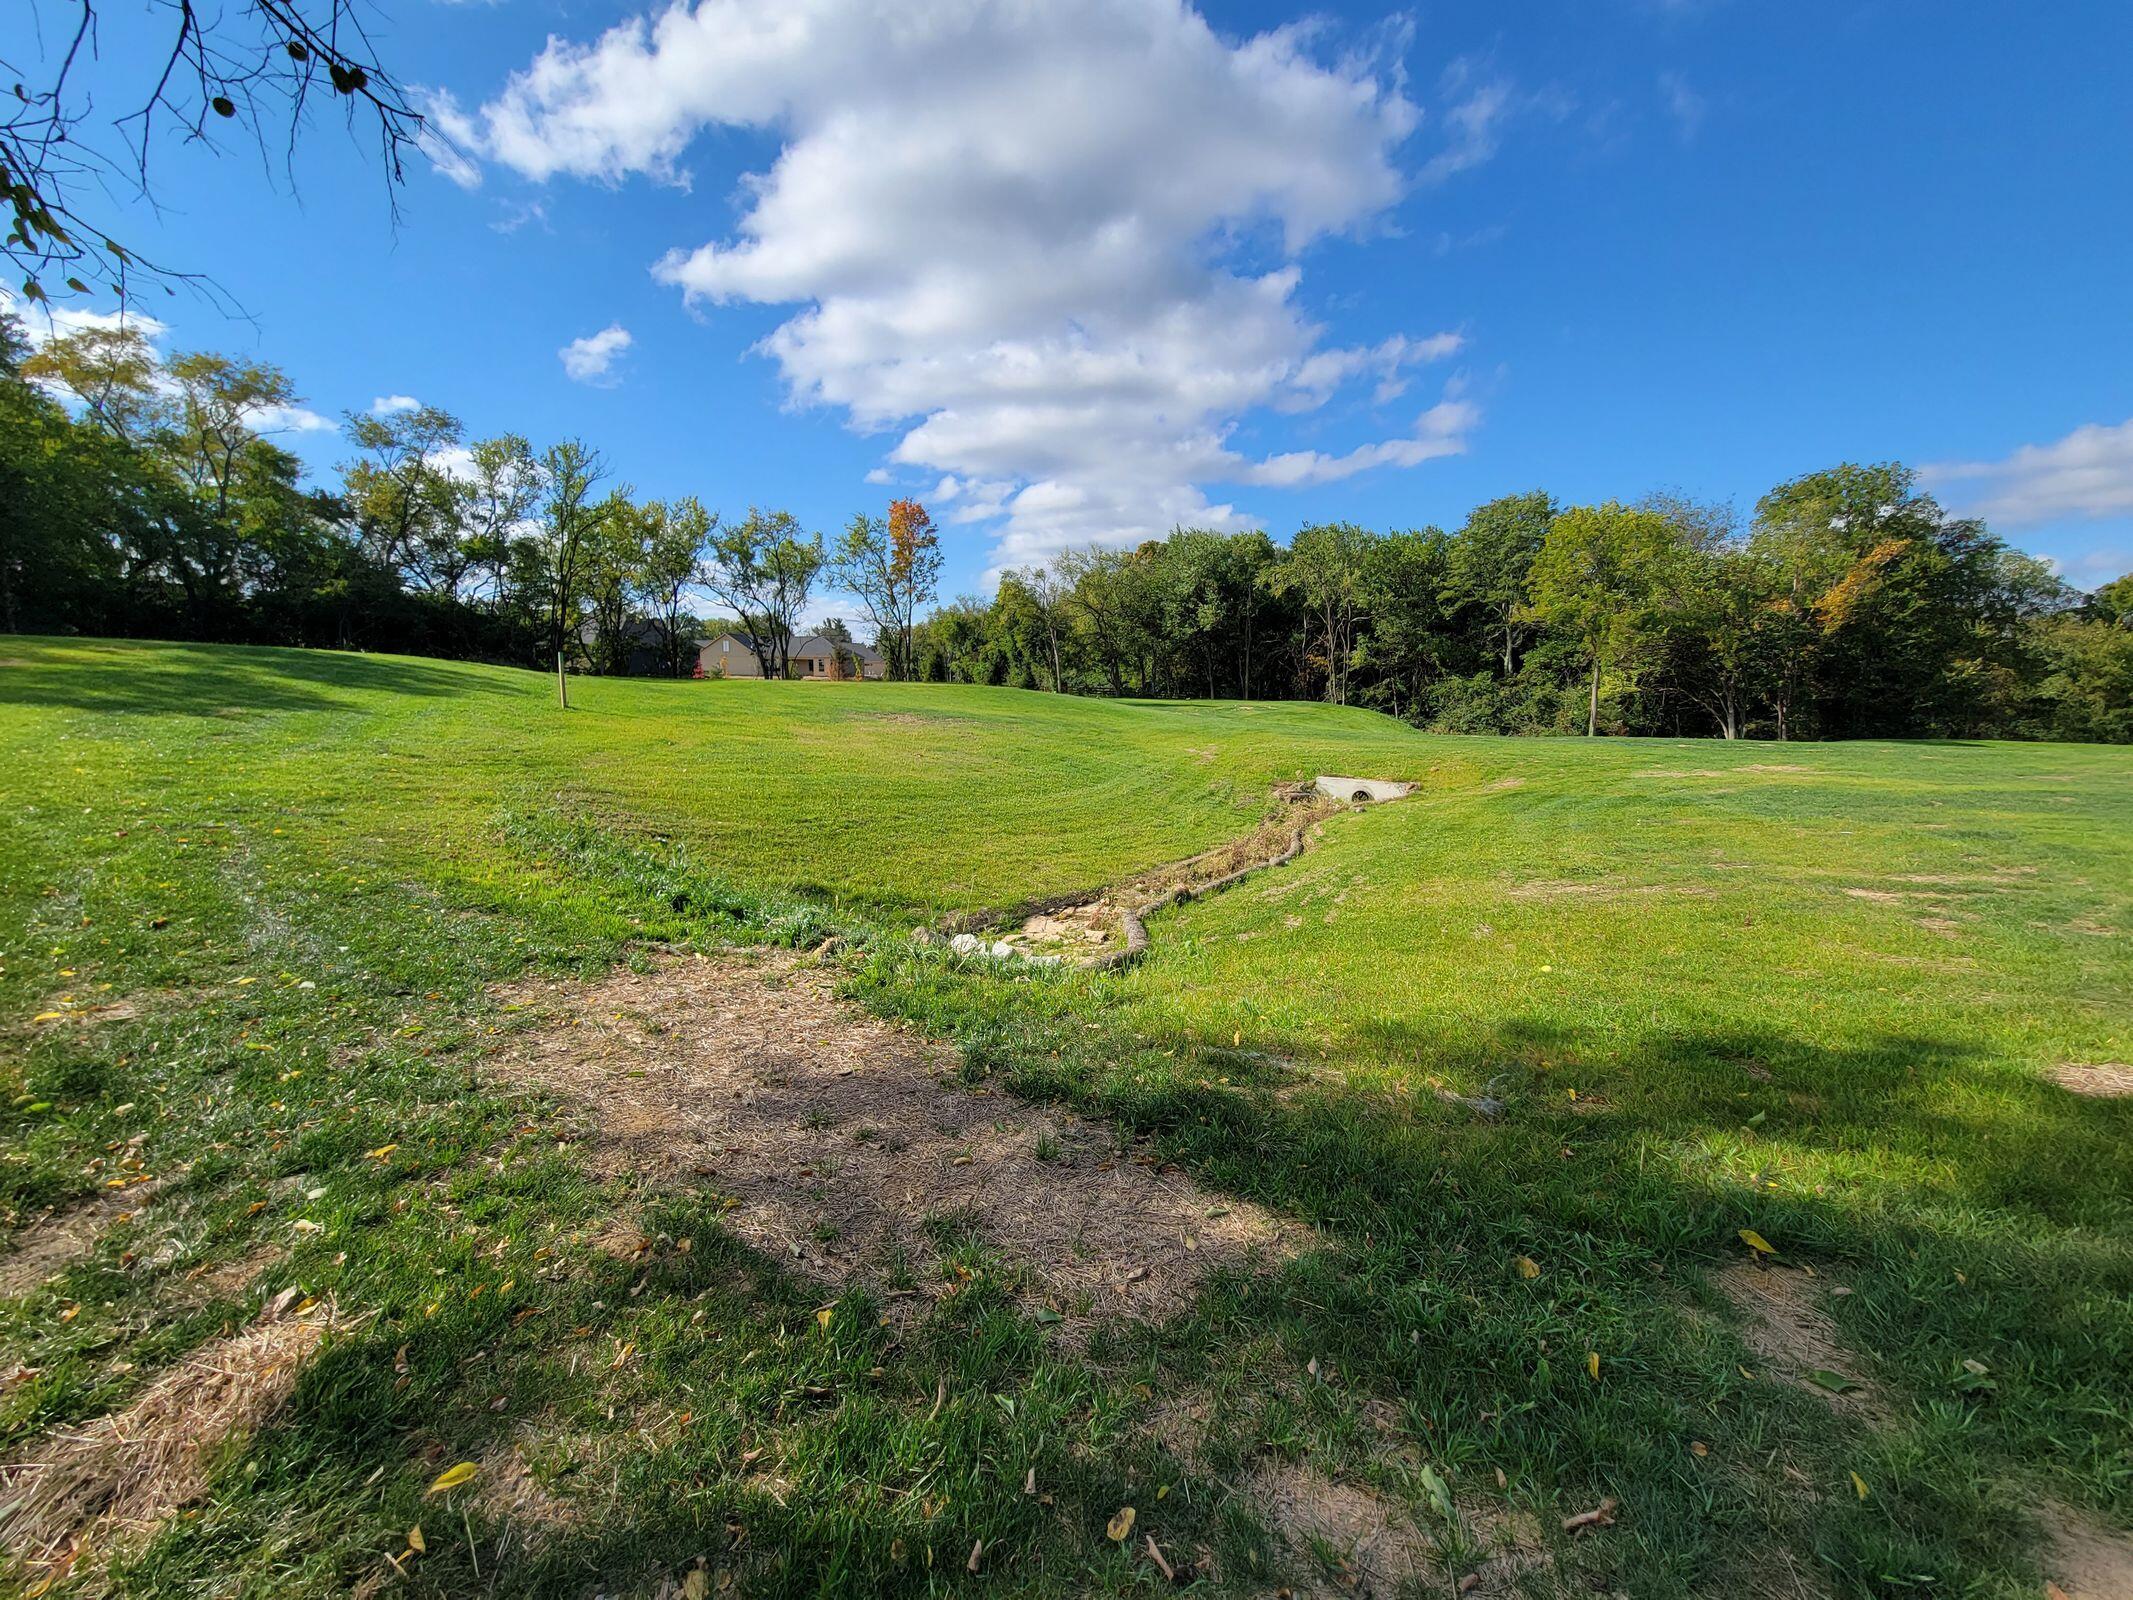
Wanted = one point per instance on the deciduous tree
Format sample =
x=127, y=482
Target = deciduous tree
x=762, y=569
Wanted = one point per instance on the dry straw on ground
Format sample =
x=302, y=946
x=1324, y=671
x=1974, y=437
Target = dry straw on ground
x=838, y=1137
x=51, y=1245
x=1789, y=1326
x=85, y=1488
x=2109, y=1081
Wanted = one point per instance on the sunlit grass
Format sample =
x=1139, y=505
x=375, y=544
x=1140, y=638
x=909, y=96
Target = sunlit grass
x=306, y=870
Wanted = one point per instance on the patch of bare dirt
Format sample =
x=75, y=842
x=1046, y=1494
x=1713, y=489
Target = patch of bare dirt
x=836, y=1136
x=90, y=1486
x=49, y=1246
x=1374, y=1546
x=1789, y=1327
x=2083, y=1559
x=510, y=1489
x=79, y=1011
x=2110, y=1080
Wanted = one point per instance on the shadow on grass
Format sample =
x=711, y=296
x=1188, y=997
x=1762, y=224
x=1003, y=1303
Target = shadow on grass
x=158, y=679
x=692, y=1404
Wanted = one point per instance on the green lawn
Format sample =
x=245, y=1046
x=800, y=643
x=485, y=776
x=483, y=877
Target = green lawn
x=1805, y=990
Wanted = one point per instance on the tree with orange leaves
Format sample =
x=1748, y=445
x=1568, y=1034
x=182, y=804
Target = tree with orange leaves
x=894, y=567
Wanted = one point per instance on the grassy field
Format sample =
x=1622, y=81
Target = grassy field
x=254, y=907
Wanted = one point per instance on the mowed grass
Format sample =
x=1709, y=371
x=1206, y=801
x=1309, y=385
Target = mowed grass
x=1804, y=990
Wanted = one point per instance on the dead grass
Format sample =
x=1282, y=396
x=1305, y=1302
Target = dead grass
x=1788, y=1325
x=836, y=1139
x=2083, y=1559
x=50, y=1245
x=2109, y=1080
x=68, y=1009
x=83, y=1489
x=510, y=1489
x=1374, y=1547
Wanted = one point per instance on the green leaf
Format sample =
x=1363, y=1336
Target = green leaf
x=1834, y=1382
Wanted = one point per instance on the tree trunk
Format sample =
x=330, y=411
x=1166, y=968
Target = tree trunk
x=1592, y=707
x=562, y=683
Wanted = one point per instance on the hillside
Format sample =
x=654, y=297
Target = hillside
x=1389, y=1213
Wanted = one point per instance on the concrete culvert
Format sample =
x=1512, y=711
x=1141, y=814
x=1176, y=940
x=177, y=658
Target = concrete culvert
x=1362, y=791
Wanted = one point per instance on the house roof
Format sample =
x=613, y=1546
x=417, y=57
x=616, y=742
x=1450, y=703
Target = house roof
x=810, y=644
x=817, y=644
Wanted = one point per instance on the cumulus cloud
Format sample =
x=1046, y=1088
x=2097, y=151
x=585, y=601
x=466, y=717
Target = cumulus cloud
x=387, y=404
x=592, y=358
x=1052, y=247
x=2086, y=475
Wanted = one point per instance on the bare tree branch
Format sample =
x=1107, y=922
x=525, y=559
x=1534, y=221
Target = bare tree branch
x=252, y=68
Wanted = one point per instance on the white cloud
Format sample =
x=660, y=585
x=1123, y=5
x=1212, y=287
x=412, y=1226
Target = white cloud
x=1683, y=104
x=386, y=404
x=880, y=475
x=1478, y=107
x=449, y=138
x=48, y=321
x=590, y=359
x=1052, y=246
x=289, y=419
x=42, y=323
x=2087, y=474
x=1440, y=431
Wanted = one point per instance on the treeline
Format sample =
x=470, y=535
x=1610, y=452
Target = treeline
x=1850, y=606
x=158, y=505
x=155, y=503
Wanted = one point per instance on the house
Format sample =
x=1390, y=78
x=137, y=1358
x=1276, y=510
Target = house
x=644, y=642
x=813, y=656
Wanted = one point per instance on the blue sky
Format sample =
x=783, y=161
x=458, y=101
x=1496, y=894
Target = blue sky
x=1077, y=270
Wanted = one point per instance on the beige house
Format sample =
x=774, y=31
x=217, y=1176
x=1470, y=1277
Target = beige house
x=813, y=657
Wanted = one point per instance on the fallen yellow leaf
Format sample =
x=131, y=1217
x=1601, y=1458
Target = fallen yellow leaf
x=1120, y=1525
x=414, y=1540
x=453, y=1477
x=824, y=1315
x=1528, y=1267
x=1756, y=1242
x=1592, y=1363
x=1859, y=1484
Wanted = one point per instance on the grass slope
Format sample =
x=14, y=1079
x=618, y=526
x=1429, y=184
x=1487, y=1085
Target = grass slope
x=1805, y=992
